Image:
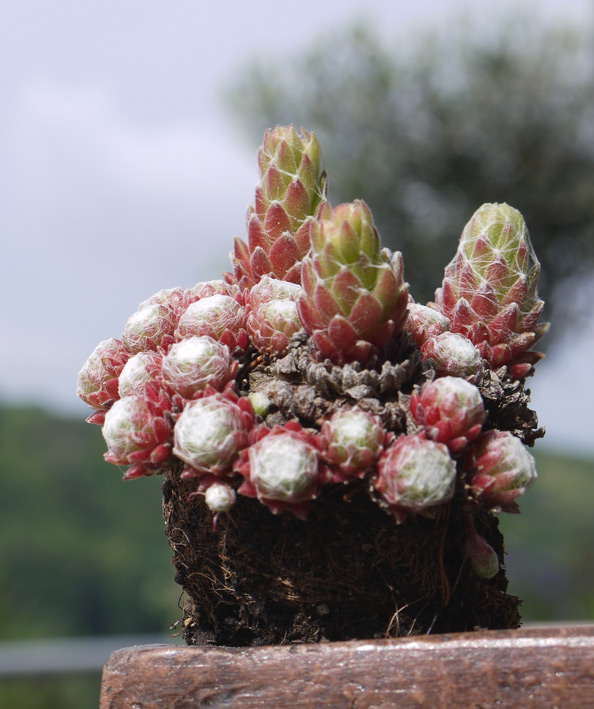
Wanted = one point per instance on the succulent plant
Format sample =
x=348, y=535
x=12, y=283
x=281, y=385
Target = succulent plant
x=354, y=297
x=98, y=378
x=415, y=475
x=205, y=289
x=353, y=440
x=218, y=316
x=309, y=382
x=499, y=470
x=489, y=289
x=139, y=370
x=271, y=314
x=150, y=328
x=219, y=497
x=283, y=469
x=479, y=552
x=137, y=431
x=424, y=323
x=196, y=363
x=291, y=194
x=173, y=298
x=451, y=410
x=211, y=431
x=453, y=355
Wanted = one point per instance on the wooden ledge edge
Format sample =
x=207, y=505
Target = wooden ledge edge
x=538, y=666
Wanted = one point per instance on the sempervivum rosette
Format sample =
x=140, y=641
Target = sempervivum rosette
x=453, y=354
x=424, y=323
x=353, y=440
x=354, y=296
x=415, y=476
x=451, y=410
x=219, y=316
x=137, y=431
x=98, y=378
x=283, y=469
x=500, y=469
x=139, y=370
x=272, y=318
x=196, y=363
x=211, y=431
x=150, y=328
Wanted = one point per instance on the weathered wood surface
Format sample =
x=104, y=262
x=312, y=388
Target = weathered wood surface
x=537, y=667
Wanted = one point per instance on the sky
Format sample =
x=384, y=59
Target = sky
x=120, y=172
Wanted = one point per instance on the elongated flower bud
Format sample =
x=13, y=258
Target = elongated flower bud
x=489, y=289
x=354, y=297
x=98, y=378
x=451, y=410
x=353, y=440
x=291, y=193
x=415, y=475
x=500, y=469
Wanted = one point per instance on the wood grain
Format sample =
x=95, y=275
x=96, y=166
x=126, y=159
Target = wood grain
x=537, y=667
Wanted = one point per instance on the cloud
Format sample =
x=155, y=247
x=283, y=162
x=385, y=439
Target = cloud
x=101, y=211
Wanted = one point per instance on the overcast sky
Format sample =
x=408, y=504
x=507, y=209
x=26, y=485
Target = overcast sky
x=120, y=175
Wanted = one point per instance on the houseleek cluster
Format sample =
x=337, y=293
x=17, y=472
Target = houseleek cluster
x=200, y=384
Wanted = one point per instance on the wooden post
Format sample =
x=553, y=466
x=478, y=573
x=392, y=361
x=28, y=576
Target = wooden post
x=536, y=667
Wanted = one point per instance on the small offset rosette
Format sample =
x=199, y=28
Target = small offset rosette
x=415, y=476
x=451, y=411
x=196, y=363
x=218, y=316
x=353, y=440
x=499, y=470
x=453, y=355
x=283, y=469
x=138, y=430
x=98, y=379
x=211, y=431
x=271, y=315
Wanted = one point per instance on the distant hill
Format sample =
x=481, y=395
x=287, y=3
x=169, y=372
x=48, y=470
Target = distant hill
x=82, y=552
x=549, y=545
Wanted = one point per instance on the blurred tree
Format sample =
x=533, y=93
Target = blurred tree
x=428, y=130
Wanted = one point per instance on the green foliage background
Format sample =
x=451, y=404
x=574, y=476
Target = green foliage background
x=83, y=553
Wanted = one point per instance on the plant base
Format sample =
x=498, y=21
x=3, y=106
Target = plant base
x=347, y=572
